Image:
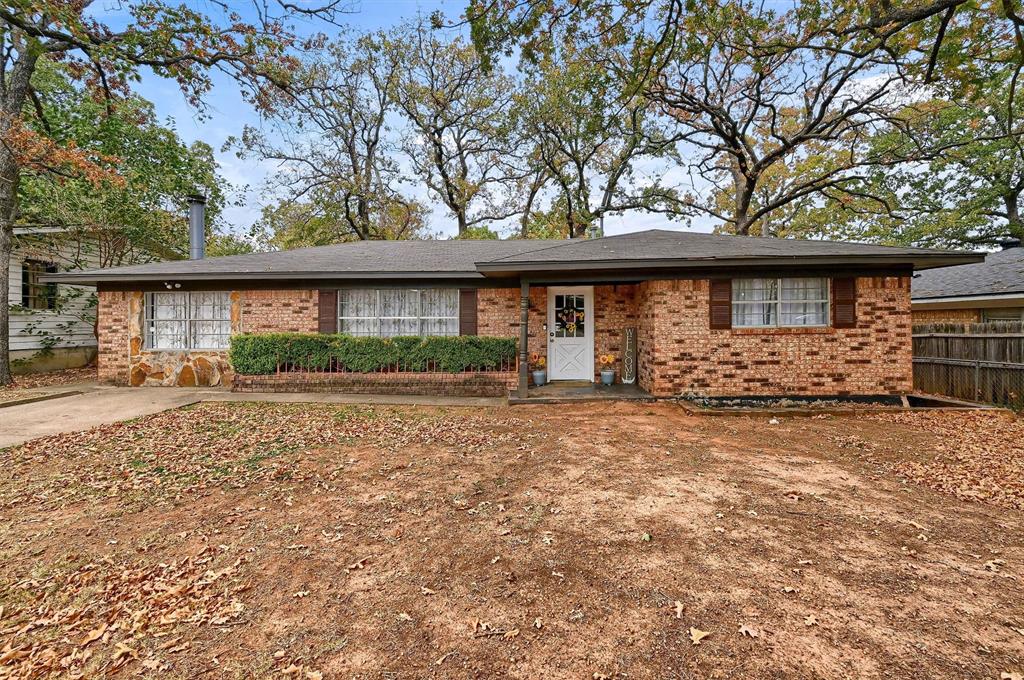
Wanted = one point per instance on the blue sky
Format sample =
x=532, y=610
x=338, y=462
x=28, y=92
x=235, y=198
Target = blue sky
x=227, y=113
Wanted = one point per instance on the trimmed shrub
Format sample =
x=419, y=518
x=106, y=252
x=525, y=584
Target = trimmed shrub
x=262, y=354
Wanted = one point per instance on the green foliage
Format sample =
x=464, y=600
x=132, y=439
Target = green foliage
x=146, y=200
x=262, y=354
x=478, y=232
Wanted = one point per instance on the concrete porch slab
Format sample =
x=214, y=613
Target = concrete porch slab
x=577, y=391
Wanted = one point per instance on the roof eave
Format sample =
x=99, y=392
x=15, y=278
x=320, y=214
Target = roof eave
x=87, y=278
x=917, y=261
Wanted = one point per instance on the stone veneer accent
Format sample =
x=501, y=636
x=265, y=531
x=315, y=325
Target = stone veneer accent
x=482, y=384
x=946, y=315
x=680, y=354
x=122, y=359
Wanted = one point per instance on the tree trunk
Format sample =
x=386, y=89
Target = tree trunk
x=10, y=173
x=1015, y=224
x=744, y=187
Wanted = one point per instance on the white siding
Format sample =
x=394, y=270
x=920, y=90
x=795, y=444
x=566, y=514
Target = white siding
x=35, y=247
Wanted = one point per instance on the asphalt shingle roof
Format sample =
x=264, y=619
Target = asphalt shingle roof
x=1001, y=273
x=660, y=244
x=469, y=259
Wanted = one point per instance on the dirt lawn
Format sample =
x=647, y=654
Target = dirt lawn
x=590, y=541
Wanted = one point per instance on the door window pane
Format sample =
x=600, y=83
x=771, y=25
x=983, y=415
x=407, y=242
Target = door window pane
x=570, y=314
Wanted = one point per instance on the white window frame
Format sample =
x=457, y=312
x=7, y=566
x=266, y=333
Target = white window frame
x=777, y=302
x=419, y=318
x=190, y=345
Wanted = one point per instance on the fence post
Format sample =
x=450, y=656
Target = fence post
x=977, y=379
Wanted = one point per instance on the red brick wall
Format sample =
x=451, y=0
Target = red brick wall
x=680, y=354
x=112, y=314
x=946, y=315
x=279, y=311
x=615, y=308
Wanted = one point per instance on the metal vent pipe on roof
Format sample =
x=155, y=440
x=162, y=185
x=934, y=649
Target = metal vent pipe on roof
x=196, y=227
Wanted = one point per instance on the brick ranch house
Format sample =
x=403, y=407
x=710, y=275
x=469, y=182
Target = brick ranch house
x=710, y=315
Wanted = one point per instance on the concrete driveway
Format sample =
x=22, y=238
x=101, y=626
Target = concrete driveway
x=95, y=406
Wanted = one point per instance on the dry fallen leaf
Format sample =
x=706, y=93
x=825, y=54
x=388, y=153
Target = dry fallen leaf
x=427, y=591
x=679, y=609
x=537, y=623
x=93, y=635
x=696, y=635
x=749, y=632
x=1010, y=676
x=811, y=620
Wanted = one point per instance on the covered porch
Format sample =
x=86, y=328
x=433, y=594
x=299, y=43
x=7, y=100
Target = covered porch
x=572, y=330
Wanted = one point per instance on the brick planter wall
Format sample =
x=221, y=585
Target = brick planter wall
x=483, y=384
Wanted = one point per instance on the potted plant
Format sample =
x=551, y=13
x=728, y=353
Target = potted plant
x=607, y=368
x=540, y=376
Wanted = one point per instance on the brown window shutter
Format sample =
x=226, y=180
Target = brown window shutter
x=328, y=311
x=721, y=304
x=467, y=311
x=844, y=302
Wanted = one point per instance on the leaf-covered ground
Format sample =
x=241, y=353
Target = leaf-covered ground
x=69, y=376
x=589, y=541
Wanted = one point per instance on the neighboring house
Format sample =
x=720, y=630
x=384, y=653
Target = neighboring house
x=713, y=315
x=53, y=326
x=992, y=290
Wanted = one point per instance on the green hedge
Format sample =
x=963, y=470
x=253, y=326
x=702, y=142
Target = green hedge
x=261, y=354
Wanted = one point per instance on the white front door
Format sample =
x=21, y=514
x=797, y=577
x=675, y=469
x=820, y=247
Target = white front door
x=571, y=333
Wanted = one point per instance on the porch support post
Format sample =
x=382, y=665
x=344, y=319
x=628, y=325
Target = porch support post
x=524, y=336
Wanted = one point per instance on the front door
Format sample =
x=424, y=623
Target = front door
x=571, y=333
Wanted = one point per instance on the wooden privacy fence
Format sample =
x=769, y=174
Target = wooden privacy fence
x=978, y=362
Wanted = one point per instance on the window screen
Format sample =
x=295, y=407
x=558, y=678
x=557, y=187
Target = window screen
x=1003, y=314
x=771, y=302
x=35, y=294
x=389, y=312
x=200, y=320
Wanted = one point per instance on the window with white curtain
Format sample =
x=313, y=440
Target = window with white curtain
x=387, y=312
x=195, y=320
x=780, y=302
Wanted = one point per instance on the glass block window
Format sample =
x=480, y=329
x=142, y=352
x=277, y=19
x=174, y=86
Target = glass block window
x=199, y=320
x=569, y=316
x=389, y=312
x=780, y=302
x=34, y=293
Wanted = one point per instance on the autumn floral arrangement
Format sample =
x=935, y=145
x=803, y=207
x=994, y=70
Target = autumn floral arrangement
x=538, y=364
x=607, y=362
